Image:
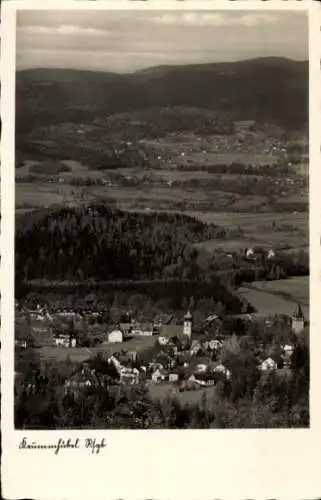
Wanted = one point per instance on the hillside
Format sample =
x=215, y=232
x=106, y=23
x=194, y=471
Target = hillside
x=272, y=90
x=102, y=243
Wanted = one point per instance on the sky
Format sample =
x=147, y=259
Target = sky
x=126, y=41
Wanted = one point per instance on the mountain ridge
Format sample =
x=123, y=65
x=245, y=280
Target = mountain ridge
x=265, y=89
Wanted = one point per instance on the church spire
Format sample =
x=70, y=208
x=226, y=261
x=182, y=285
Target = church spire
x=298, y=313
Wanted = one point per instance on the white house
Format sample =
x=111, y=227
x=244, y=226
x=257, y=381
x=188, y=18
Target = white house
x=113, y=360
x=268, y=365
x=173, y=377
x=115, y=336
x=214, y=344
x=162, y=340
x=249, y=253
x=288, y=349
x=21, y=343
x=220, y=368
x=201, y=368
x=270, y=254
x=65, y=340
x=195, y=347
x=129, y=375
x=158, y=376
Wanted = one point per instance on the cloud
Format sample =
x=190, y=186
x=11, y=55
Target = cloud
x=67, y=29
x=214, y=19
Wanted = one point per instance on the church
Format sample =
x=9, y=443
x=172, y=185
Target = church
x=184, y=330
x=298, y=320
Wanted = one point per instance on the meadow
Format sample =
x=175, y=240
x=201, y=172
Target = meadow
x=278, y=297
x=80, y=354
x=286, y=231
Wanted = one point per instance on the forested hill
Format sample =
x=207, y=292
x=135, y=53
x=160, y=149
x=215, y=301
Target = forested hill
x=273, y=90
x=102, y=243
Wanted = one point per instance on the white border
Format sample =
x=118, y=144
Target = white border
x=165, y=464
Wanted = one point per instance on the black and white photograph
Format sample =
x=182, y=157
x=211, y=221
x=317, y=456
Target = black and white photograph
x=160, y=250
x=161, y=220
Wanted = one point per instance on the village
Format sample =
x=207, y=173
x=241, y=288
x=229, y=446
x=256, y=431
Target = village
x=178, y=354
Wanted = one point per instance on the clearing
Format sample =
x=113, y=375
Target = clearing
x=278, y=297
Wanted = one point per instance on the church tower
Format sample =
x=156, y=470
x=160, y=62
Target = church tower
x=298, y=320
x=188, y=321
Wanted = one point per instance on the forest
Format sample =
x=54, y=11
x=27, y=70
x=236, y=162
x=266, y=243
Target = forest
x=102, y=243
x=112, y=253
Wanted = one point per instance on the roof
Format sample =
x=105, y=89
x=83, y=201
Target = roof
x=117, y=330
x=147, y=326
x=211, y=317
x=171, y=331
x=168, y=318
x=188, y=315
x=126, y=326
x=268, y=360
x=64, y=335
x=198, y=360
x=298, y=313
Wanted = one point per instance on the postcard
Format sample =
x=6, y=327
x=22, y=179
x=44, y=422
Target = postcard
x=160, y=250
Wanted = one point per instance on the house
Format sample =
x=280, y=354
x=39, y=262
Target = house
x=214, y=344
x=212, y=318
x=270, y=254
x=115, y=361
x=165, y=359
x=220, y=368
x=249, y=253
x=124, y=358
x=126, y=328
x=144, y=329
x=202, y=379
x=198, y=364
x=133, y=355
x=287, y=348
x=162, y=340
x=159, y=376
x=180, y=331
x=164, y=319
x=173, y=377
x=129, y=378
x=268, y=364
x=21, y=343
x=129, y=375
x=115, y=336
x=84, y=379
x=36, y=316
x=65, y=340
x=201, y=367
x=169, y=331
x=287, y=354
x=195, y=347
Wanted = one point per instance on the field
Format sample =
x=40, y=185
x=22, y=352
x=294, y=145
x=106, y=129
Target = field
x=278, y=297
x=265, y=229
x=80, y=354
x=157, y=183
